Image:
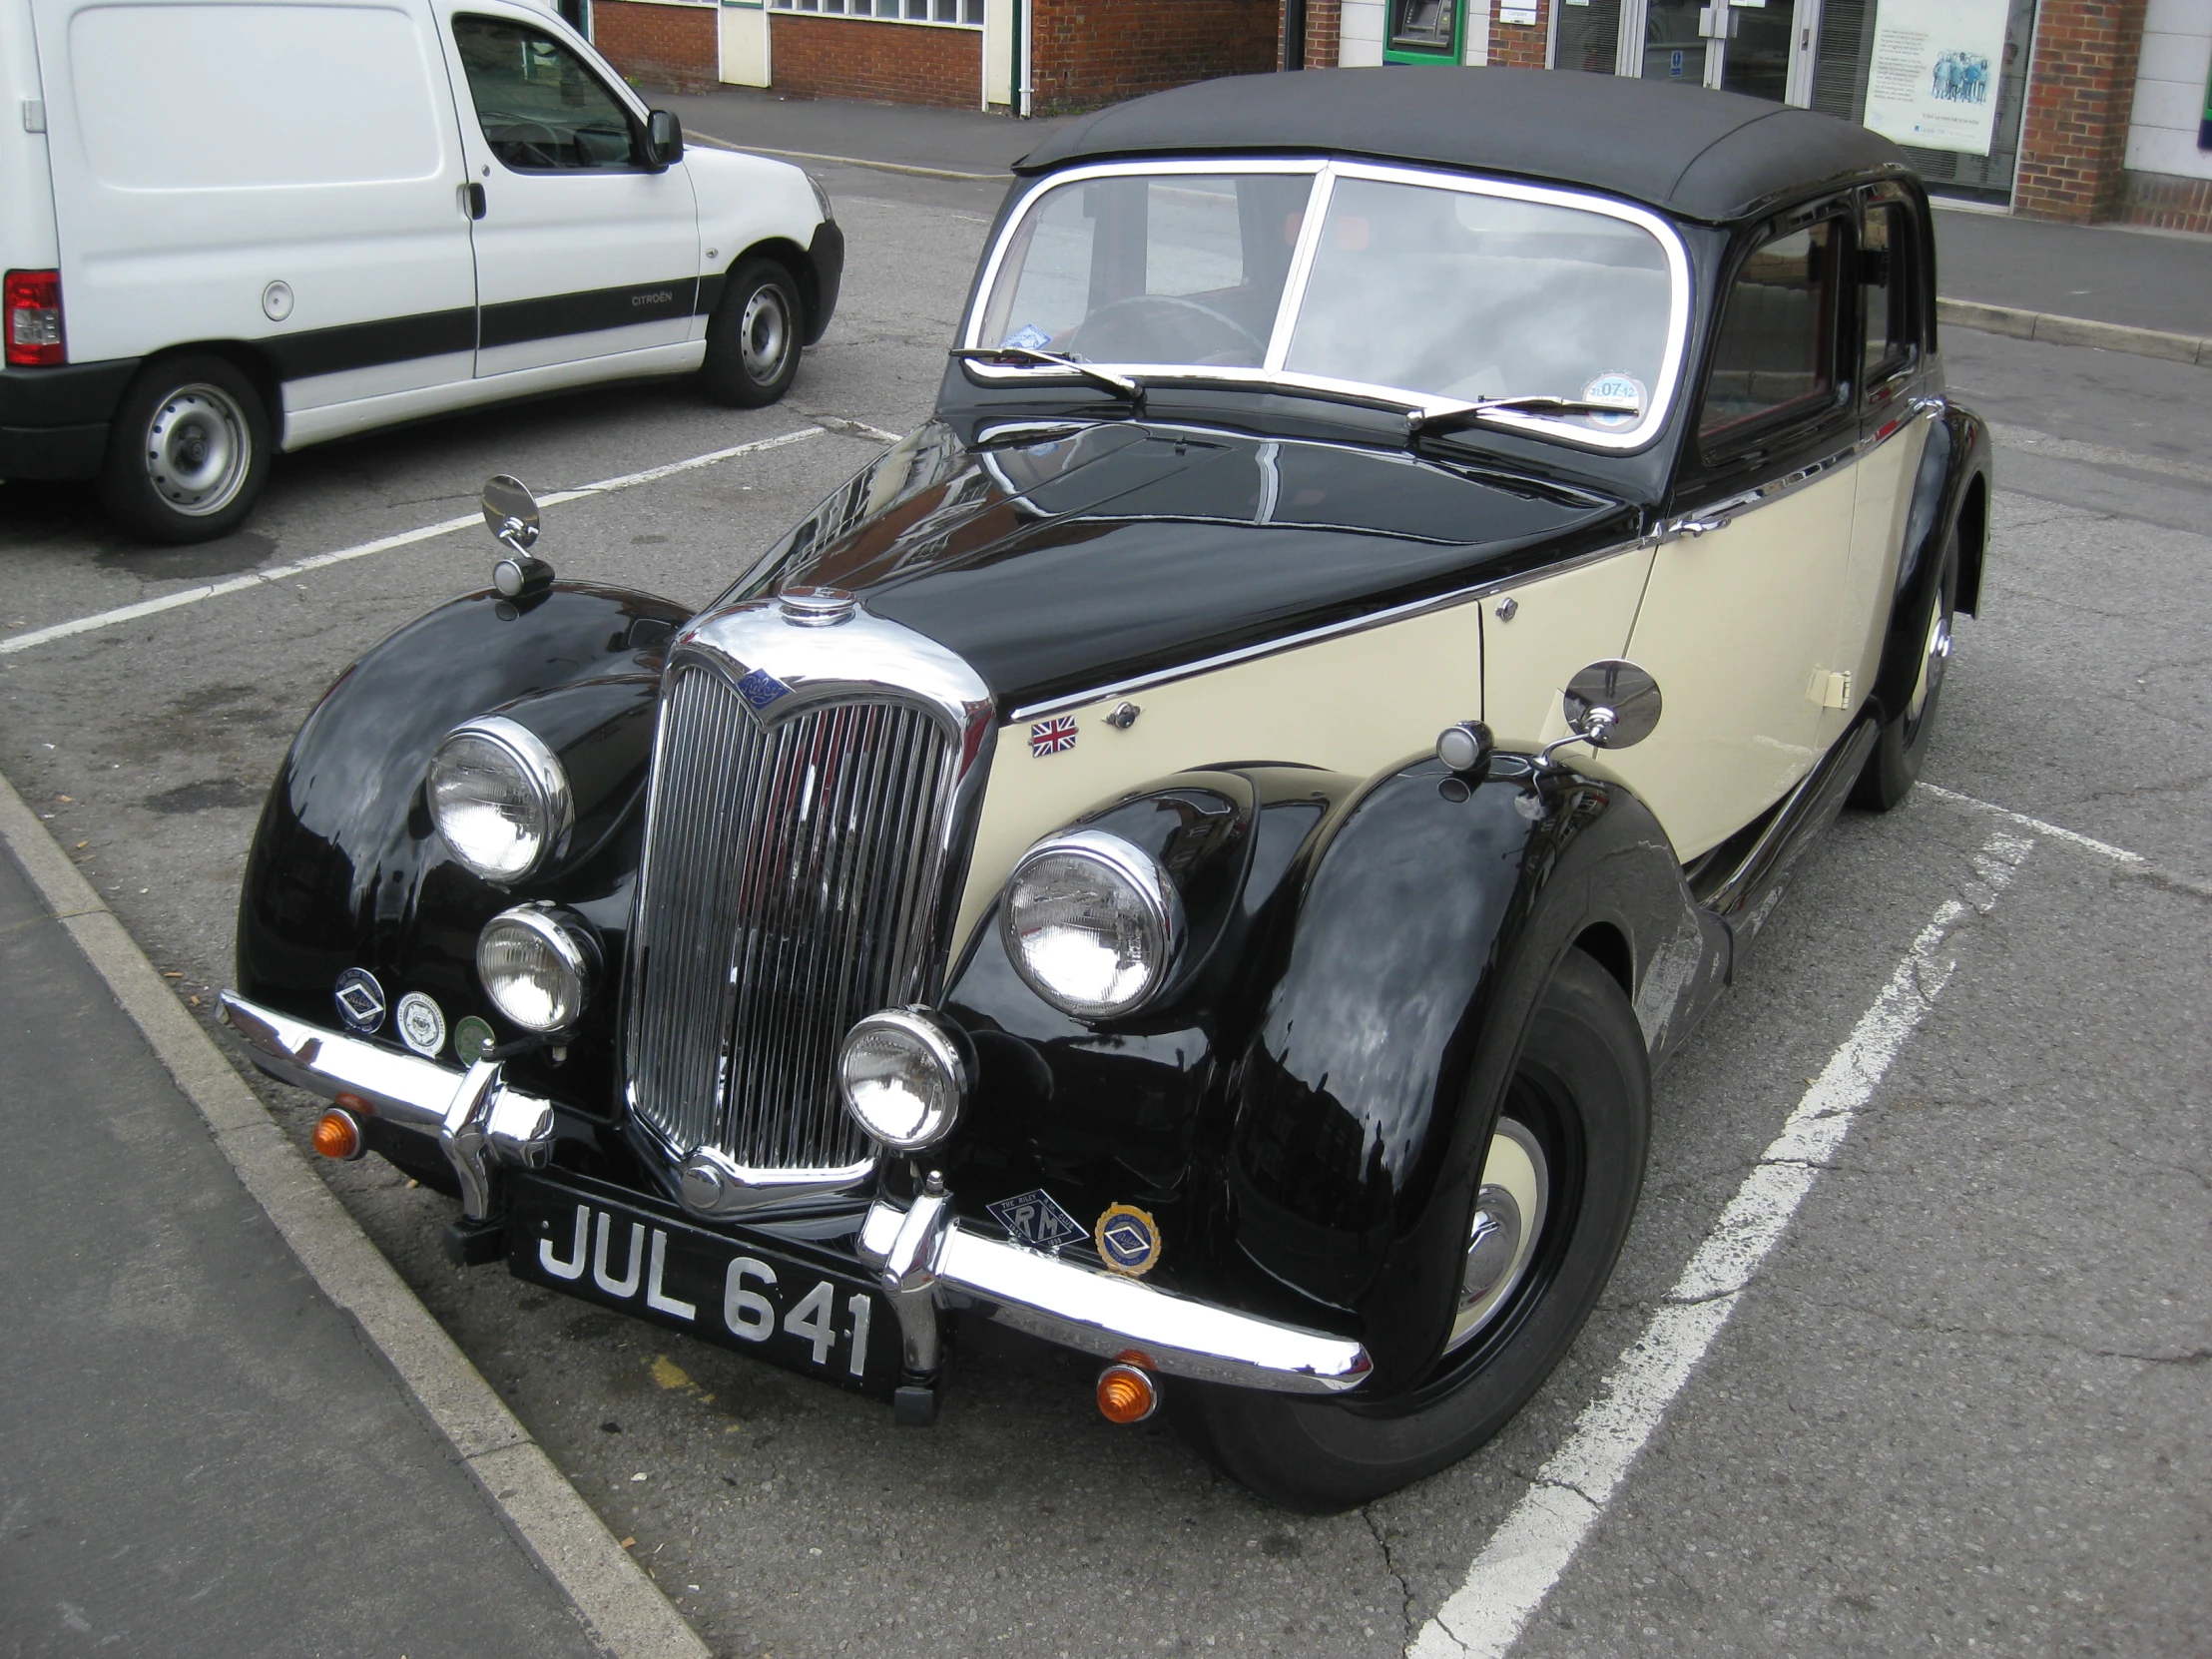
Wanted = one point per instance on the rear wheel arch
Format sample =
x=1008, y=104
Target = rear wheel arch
x=1973, y=542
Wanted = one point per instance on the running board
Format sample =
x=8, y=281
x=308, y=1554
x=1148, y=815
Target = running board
x=1747, y=894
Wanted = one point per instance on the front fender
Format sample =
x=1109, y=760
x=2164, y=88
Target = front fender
x=1304, y=1115
x=345, y=869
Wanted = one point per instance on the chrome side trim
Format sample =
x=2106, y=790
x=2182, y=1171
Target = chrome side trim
x=1314, y=636
x=1324, y=174
x=1719, y=515
x=929, y=1262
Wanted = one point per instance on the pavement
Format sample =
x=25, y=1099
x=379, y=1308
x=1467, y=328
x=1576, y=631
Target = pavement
x=201, y=1455
x=2129, y=278
x=1961, y=1404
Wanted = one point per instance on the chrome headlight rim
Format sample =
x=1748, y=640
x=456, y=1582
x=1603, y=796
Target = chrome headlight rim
x=929, y=1030
x=573, y=946
x=1155, y=889
x=539, y=768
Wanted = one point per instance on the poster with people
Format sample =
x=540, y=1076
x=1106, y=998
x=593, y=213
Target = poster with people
x=1932, y=81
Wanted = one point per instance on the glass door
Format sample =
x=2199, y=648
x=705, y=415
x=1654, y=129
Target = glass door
x=1588, y=36
x=1756, y=54
x=1675, y=40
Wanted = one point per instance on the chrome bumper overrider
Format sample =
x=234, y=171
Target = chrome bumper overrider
x=925, y=1257
x=478, y=1121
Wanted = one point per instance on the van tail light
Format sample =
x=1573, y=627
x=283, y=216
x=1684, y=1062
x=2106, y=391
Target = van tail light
x=34, y=307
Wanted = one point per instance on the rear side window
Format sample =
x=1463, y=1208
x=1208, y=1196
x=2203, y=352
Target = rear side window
x=1886, y=292
x=541, y=108
x=1776, y=351
x=227, y=97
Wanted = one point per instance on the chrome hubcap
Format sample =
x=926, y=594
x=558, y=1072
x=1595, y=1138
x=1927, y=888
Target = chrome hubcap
x=1509, y=1220
x=1931, y=665
x=764, y=335
x=198, y=450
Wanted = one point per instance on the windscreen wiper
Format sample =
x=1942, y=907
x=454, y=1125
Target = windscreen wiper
x=1467, y=415
x=1103, y=378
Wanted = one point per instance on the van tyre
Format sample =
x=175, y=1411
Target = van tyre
x=1582, y=1093
x=1901, y=745
x=187, y=453
x=753, y=337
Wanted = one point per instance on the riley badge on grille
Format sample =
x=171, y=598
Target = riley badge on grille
x=1050, y=737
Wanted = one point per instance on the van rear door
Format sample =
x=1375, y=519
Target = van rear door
x=286, y=175
x=582, y=254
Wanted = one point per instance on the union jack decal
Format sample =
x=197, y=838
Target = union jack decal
x=1050, y=737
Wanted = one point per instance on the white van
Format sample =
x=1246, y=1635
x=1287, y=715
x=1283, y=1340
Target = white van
x=229, y=229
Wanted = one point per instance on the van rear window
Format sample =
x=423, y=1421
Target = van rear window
x=224, y=97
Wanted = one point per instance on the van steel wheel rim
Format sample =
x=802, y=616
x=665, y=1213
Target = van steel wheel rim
x=764, y=335
x=1508, y=1221
x=198, y=449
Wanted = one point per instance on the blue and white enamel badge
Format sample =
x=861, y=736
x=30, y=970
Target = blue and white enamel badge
x=761, y=687
x=1034, y=1220
x=1128, y=1240
x=1053, y=737
x=361, y=999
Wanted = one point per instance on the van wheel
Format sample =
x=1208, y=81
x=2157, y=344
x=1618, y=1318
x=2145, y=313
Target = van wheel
x=1900, y=747
x=187, y=453
x=753, y=337
x=1559, y=1184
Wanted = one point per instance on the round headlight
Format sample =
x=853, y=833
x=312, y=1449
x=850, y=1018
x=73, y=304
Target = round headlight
x=903, y=1078
x=536, y=967
x=1092, y=922
x=499, y=798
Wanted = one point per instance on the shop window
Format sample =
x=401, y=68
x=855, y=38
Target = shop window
x=1886, y=293
x=891, y=11
x=1775, y=354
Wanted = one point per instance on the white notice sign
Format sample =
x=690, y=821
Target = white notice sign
x=1932, y=82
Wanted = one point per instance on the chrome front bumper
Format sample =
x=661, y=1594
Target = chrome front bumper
x=927, y=1260
x=477, y=1121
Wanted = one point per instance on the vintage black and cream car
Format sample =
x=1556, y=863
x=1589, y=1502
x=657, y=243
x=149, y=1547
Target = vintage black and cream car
x=1196, y=853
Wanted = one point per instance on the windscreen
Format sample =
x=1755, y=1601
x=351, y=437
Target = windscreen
x=1440, y=295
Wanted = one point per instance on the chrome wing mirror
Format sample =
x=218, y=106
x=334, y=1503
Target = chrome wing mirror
x=511, y=514
x=1609, y=705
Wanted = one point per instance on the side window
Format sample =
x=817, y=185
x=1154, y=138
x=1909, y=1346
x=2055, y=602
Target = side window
x=541, y=108
x=1886, y=293
x=1776, y=350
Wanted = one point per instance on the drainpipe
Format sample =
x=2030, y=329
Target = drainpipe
x=1025, y=48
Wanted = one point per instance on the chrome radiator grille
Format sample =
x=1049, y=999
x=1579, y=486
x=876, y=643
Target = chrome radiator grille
x=789, y=888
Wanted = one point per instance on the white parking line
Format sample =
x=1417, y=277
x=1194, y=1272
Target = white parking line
x=2089, y=843
x=1540, y=1539
x=382, y=544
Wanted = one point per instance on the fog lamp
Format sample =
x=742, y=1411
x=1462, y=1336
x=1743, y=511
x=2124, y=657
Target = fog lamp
x=537, y=966
x=903, y=1077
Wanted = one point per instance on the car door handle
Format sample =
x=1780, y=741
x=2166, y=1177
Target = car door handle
x=472, y=199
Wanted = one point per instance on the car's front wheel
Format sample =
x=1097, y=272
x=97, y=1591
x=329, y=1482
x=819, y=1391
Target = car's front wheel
x=753, y=337
x=1559, y=1185
x=187, y=453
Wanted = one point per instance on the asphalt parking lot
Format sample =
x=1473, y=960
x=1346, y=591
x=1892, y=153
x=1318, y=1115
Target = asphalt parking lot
x=1960, y=1405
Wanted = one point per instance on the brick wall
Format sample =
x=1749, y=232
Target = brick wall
x=858, y=57
x=660, y=47
x=2073, y=135
x=1094, y=52
x=1519, y=45
x=1322, y=18
x=2168, y=202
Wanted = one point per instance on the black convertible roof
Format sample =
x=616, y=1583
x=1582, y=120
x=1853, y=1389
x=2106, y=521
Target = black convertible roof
x=1711, y=156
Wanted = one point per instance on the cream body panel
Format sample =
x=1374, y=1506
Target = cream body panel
x=1735, y=626
x=1884, y=501
x=1357, y=703
x=1560, y=622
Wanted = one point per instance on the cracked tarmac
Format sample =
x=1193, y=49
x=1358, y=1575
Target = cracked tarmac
x=1962, y=1400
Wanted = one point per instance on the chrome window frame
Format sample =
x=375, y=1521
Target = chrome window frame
x=1324, y=174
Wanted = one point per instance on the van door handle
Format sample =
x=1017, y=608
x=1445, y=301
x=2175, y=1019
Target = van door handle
x=472, y=199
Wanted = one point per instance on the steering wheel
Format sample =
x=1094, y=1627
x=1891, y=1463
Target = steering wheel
x=1130, y=311
x=516, y=140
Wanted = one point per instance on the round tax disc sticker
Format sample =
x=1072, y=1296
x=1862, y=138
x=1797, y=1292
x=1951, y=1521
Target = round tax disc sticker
x=1624, y=389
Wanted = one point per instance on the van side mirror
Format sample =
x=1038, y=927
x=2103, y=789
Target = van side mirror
x=664, y=139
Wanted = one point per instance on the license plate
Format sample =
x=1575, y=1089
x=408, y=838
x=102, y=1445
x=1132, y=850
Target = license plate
x=780, y=1302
